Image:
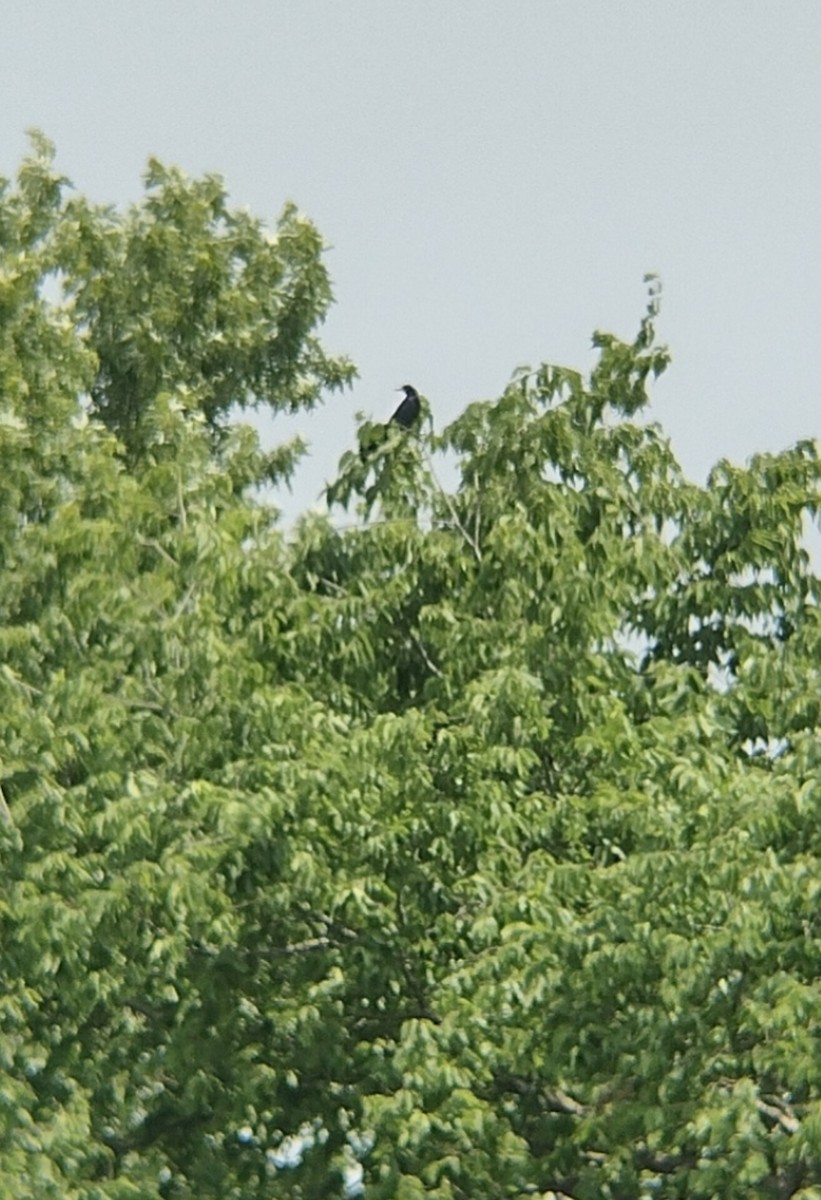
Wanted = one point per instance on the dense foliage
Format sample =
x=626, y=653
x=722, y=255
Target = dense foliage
x=467, y=849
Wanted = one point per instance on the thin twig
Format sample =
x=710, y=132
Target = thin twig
x=317, y=943
x=178, y=611
x=5, y=811
x=780, y=1116
x=474, y=545
x=181, y=504
x=477, y=511
x=336, y=937
x=153, y=544
x=335, y=587
x=428, y=662
x=145, y=706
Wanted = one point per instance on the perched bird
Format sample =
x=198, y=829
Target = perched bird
x=408, y=410
x=406, y=415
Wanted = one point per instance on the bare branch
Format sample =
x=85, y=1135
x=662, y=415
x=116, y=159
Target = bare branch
x=152, y=1011
x=661, y=1163
x=304, y=947
x=474, y=545
x=14, y=677
x=5, y=811
x=341, y=935
x=180, y=609
x=153, y=544
x=554, y=1100
x=428, y=662
x=558, y=1101
x=181, y=504
x=334, y=587
x=776, y=1112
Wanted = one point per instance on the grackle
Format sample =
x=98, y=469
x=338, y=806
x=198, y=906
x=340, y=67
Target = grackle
x=408, y=410
x=406, y=415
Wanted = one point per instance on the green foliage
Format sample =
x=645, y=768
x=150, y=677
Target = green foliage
x=476, y=844
x=180, y=293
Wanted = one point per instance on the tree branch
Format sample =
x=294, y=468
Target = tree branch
x=153, y=544
x=5, y=811
x=181, y=504
x=554, y=1100
x=472, y=542
x=427, y=660
x=776, y=1112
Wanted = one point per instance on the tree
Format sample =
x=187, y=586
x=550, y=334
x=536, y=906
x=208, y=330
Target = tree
x=475, y=843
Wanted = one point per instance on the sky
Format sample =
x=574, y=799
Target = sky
x=493, y=179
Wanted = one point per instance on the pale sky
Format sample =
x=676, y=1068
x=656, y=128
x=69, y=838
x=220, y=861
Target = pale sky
x=494, y=179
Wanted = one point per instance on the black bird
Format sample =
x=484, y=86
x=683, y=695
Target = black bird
x=408, y=410
x=406, y=415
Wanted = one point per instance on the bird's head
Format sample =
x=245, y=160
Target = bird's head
x=408, y=389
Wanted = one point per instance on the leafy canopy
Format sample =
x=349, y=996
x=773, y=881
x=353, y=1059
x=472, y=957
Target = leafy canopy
x=468, y=851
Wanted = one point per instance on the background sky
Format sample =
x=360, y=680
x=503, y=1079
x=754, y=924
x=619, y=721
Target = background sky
x=493, y=179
